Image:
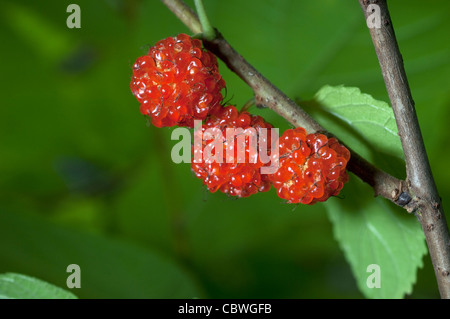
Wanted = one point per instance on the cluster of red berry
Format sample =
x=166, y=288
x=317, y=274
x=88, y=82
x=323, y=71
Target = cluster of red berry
x=179, y=82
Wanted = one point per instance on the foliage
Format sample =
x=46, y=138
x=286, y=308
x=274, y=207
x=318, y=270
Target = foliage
x=15, y=286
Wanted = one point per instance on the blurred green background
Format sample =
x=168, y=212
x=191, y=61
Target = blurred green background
x=86, y=180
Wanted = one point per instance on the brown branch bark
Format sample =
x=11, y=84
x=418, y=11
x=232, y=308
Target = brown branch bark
x=419, y=177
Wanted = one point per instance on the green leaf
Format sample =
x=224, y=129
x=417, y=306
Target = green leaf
x=371, y=231
x=110, y=268
x=18, y=286
x=374, y=120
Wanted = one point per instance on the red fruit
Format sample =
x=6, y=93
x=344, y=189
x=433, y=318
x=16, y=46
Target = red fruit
x=223, y=162
x=311, y=167
x=177, y=82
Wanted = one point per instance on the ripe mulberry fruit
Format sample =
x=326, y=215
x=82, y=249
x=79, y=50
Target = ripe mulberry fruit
x=177, y=82
x=229, y=160
x=311, y=167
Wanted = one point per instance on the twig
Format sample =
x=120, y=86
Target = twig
x=419, y=177
x=267, y=94
x=208, y=31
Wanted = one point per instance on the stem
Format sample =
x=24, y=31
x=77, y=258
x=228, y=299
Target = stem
x=208, y=31
x=419, y=177
x=248, y=105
